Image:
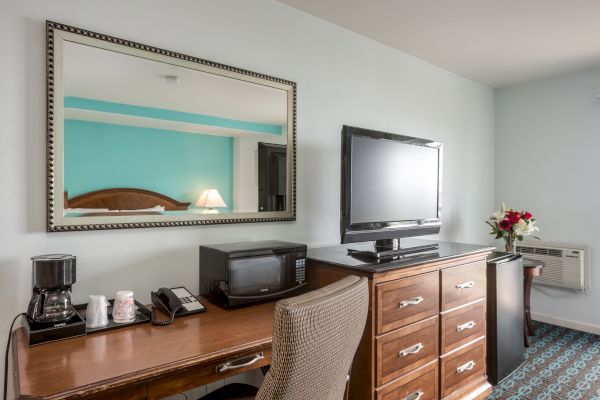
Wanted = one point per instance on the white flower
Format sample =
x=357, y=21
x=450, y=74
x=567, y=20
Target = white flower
x=496, y=217
x=524, y=228
x=532, y=228
x=521, y=227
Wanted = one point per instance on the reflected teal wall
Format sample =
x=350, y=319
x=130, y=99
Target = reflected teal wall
x=169, y=115
x=179, y=165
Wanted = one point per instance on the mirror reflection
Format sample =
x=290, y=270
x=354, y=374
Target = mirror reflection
x=146, y=137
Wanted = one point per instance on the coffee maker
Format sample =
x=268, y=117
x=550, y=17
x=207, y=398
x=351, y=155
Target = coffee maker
x=52, y=276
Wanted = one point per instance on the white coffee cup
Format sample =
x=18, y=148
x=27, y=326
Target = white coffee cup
x=124, y=307
x=96, y=314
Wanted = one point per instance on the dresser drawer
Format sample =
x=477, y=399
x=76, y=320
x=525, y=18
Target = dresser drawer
x=462, y=367
x=406, y=349
x=462, y=325
x=421, y=384
x=463, y=284
x=404, y=301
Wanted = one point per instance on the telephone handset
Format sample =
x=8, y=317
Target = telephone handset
x=174, y=302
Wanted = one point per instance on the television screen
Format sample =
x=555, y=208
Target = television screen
x=393, y=181
x=391, y=185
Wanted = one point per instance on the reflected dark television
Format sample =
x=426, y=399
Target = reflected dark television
x=391, y=188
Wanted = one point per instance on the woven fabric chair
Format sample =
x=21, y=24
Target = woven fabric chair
x=315, y=336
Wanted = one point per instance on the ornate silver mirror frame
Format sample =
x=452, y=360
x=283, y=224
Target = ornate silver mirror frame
x=58, y=218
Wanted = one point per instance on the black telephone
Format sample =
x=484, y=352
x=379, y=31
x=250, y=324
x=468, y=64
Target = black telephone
x=174, y=302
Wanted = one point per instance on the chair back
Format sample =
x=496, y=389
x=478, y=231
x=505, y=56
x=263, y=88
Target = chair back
x=315, y=336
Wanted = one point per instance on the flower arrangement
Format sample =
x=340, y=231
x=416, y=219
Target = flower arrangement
x=512, y=225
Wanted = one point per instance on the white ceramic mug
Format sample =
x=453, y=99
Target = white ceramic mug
x=96, y=314
x=124, y=307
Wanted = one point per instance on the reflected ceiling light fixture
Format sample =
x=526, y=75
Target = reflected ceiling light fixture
x=211, y=199
x=172, y=79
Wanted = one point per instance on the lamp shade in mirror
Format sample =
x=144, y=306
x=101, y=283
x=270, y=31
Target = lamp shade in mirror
x=211, y=199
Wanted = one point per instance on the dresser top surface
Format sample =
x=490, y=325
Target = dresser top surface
x=339, y=255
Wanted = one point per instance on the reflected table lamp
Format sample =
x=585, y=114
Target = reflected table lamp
x=210, y=199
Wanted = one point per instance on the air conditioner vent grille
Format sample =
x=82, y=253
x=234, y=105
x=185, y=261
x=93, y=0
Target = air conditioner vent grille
x=525, y=249
x=564, y=267
x=555, y=252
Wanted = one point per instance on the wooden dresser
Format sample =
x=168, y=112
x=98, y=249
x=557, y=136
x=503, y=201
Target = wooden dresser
x=425, y=336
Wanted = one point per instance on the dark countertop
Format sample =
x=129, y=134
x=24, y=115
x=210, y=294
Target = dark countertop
x=338, y=255
x=530, y=263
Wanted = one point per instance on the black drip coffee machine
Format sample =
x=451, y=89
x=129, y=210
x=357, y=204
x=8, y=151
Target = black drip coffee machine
x=53, y=276
x=51, y=315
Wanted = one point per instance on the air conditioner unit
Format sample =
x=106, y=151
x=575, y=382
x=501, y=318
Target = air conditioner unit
x=565, y=266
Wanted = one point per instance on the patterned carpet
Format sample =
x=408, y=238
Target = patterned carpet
x=560, y=364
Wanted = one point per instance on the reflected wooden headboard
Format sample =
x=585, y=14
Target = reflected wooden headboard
x=124, y=199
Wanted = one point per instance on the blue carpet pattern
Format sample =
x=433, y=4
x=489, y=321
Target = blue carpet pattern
x=561, y=364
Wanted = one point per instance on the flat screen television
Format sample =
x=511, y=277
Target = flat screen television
x=391, y=187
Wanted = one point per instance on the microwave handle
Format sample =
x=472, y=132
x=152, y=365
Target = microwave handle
x=266, y=296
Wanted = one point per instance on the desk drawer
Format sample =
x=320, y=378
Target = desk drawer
x=462, y=325
x=463, y=284
x=421, y=384
x=406, y=349
x=405, y=301
x=198, y=375
x=463, y=366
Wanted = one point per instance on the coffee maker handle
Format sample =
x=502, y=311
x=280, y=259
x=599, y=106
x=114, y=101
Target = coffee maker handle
x=35, y=306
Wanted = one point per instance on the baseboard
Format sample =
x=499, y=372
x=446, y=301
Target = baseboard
x=567, y=323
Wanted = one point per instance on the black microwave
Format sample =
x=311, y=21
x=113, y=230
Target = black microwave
x=235, y=274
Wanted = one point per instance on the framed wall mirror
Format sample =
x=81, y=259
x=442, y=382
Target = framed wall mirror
x=145, y=137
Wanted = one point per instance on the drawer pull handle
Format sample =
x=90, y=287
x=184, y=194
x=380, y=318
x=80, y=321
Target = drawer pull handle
x=466, y=325
x=414, y=396
x=411, y=302
x=465, y=367
x=465, y=285
x=240, y=362
x=411, y=350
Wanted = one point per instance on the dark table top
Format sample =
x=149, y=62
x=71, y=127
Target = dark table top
x=529, y=263
x=338, y=255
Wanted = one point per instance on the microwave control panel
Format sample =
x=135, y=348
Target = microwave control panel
x=300, y=270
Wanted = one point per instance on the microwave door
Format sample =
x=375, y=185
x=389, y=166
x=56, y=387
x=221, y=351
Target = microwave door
x=257, y=276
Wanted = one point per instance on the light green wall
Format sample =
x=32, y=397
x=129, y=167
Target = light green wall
x=179, y=165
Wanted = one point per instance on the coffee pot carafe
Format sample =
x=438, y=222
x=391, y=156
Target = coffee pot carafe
x=52, y=278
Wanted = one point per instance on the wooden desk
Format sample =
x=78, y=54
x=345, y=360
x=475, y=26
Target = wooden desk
x=143, y=361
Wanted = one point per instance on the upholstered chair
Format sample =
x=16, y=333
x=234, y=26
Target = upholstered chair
x=315, y=336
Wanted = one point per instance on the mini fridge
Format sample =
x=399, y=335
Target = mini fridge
x=505, y=315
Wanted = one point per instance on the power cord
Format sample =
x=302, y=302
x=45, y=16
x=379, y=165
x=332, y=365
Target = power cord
x=6, y=356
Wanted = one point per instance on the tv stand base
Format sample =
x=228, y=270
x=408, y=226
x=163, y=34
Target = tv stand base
x=390, y=248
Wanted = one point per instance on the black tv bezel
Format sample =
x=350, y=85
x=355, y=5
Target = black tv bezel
x=379, y=230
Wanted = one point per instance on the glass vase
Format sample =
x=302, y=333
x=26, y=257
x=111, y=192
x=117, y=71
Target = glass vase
x=509, y=245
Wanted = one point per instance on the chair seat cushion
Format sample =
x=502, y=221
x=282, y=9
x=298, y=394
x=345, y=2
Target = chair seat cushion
x=233, y=391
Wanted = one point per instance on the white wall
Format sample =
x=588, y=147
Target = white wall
x=342, y=78
x=548, y=161
x=245, y=169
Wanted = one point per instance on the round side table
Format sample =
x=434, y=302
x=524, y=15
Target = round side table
x=531, y=269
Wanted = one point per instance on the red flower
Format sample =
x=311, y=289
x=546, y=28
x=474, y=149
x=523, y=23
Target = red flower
x=505, y=225
x=513, y=216
x=527, y=215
